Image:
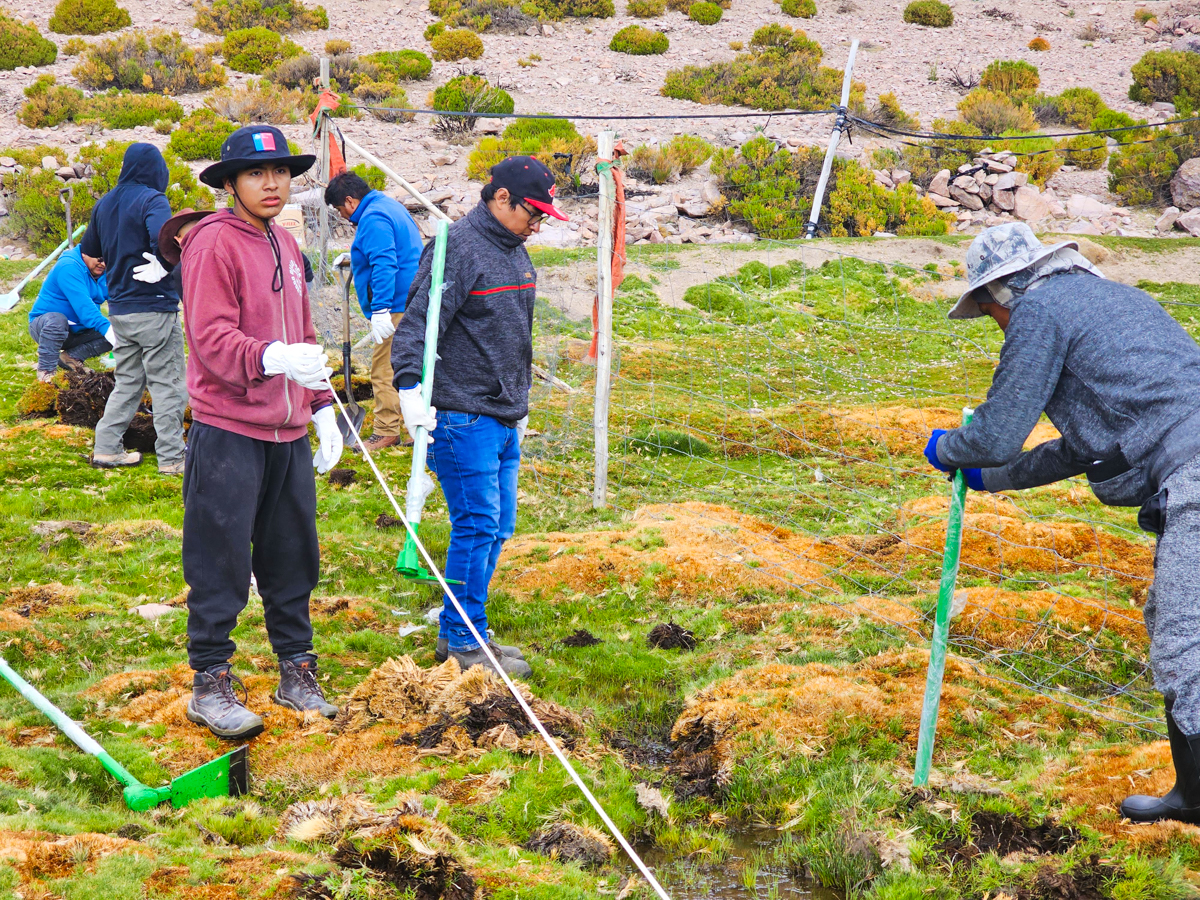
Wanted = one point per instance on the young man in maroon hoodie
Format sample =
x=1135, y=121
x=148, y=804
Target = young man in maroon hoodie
x=255, y=376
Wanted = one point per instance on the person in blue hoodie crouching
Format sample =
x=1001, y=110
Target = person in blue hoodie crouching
x=65, y=320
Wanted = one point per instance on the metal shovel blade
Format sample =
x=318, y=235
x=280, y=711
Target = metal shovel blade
x=352, y=426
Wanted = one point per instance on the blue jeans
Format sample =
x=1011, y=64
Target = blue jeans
x=476, y=459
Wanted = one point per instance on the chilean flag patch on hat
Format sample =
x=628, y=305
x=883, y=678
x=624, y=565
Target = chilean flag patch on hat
x=264, y=141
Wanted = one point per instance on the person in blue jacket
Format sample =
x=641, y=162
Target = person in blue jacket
x=143, y=309
x=65, y=319
x=383, y=260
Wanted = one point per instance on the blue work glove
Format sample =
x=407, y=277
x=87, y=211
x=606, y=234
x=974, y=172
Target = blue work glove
x=931, y=451
x=974, y=479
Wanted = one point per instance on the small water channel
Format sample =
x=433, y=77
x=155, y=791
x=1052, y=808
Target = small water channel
x=743, y=875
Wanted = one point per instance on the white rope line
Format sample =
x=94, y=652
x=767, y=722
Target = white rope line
x=484, y=645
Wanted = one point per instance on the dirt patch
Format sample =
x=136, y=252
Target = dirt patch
x=359, y=610
x=129, y=532
x=36, y=599
x=581, y=638
x=568, y=842
x=39, y=854
x=1082, y=882
x=82, y=403
x=447, y=712
x=12, y=621
x=342, y=477
x=360, y=385
x=333, y=819
x=1004, y=833
x=905, y=429
x=669, y=636
x=384, y=522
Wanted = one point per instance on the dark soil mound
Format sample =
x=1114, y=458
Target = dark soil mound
x=342, y=477
x=1085, y=882
x=1004, y=833
x=483, y=716
x=436, y=877
x=699, y=764
x=581, y=638
x=671, y=637
x=571, y=843
x=384, y=521
x=82, y=403
x=359, y=383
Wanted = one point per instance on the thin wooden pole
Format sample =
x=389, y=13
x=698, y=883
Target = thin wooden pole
x=324, y=276
x=376, y=161
x=604, y=290
x=839, y=125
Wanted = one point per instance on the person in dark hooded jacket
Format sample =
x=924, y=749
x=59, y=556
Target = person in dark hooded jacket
x=143, y=308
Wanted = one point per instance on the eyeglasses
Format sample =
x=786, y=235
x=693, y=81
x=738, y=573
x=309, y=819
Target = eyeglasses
x=535, y=218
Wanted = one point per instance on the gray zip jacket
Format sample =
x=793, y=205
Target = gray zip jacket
x=1118, y=377
x=485, y=333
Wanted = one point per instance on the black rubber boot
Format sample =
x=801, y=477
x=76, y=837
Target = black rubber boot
x=298, y=688
x=1182, y=802
x=215, y=705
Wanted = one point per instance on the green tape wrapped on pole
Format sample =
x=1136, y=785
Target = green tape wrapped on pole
x=226, y=776
x=941, y=626
x=419, y=483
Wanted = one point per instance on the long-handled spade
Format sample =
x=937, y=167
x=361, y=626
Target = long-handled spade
x=227, y=776
x=341, y=265
x=13, y=297
x=419, y=482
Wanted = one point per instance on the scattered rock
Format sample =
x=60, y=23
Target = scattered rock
x=1083, y=207
x=1029, y=205
x=941, y=183
x=671, y=637
x=1185, y=185
x=1190, y=222
x=49, y=163
x=1166, y=221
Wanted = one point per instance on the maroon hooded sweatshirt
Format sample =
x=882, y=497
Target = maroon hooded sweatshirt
x=231, y=314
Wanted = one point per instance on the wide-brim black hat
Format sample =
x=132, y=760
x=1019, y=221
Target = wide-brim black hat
x=252, y=146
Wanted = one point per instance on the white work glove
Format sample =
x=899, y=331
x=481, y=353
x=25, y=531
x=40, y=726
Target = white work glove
x=330, y=449
x=381, y=327
x=522, y=427
x=416, y=414
x=304, y=364
x=111, y=337
x=151, y=271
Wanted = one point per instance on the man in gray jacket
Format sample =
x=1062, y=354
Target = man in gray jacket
x=1120, y=379
x=480, y=388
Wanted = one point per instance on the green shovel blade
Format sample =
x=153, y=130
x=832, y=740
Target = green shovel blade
x=226, y=776
x=408, y=564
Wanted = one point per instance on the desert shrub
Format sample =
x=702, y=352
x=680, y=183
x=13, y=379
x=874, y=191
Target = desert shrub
x=345, y=71
x=577, y=9
x=200, y=135
x=929, y=12
x=284, y=16
x=254, y=49
x=638, y=41
x=1167, y=76
x=256, y=101
x=451, y=46
x=157, y=61
x=22, y=45
x=1142, y=16
x=333, y=47
x=771, y=189
x=645, y=9
x=1140, y=173
x=471, y=94
x=402, y=65
x=679, y=5
x=37, y=212
x=511, y=16
x=887, y=111
x=1040, y=44
x=1110, y=118
x=1080, y=106
x=32, y=156
x=389, y=106
x=1037, y=157
x=88, y=17
x=782, y=70
x=679, y=156
x=800, y=9
x=1010, y=77
x=924, y=159
x=555, y=142
x=433, y=29
x=704, y=12
x=689, y=151
x=50, y=104
x=372, y=175
x=1088, y=151
x=74, y=47
x=995, y=113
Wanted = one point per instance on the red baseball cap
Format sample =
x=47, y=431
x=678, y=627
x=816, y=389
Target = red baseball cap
x=530, y=180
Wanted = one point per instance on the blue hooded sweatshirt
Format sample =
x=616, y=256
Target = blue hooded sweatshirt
x=385, y=253
x=124, y=225
x=71, y=290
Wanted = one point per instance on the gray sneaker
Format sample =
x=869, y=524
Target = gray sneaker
x=215, y=705
x=515, y=666
x=116, y=460
x=443, y=649
x=298, y=688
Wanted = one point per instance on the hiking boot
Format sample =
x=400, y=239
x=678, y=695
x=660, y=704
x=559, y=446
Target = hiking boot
x=69, y=362
x=443, y=649
x=513, y=665
x=1182, y=802
x=116, y=460
x=45, y=377
x=379, y=441
x=298, y=688
x=215, y=705
x=175, y=468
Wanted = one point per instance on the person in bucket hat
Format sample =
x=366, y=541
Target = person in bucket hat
x=481, y=386
x=256, y=377
x=1120, y=380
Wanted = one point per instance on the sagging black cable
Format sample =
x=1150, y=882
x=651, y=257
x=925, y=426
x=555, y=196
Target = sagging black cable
x=934, y=135
x=614, y=118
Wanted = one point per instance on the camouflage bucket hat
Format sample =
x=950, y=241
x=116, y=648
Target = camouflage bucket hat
x=997, y=252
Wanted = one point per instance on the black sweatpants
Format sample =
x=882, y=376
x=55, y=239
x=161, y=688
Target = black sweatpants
x=248, y=505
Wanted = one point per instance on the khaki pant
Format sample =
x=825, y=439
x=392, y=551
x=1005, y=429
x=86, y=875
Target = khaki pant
x=387, y=401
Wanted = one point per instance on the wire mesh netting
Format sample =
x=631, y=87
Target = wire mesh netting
x=770, y=404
